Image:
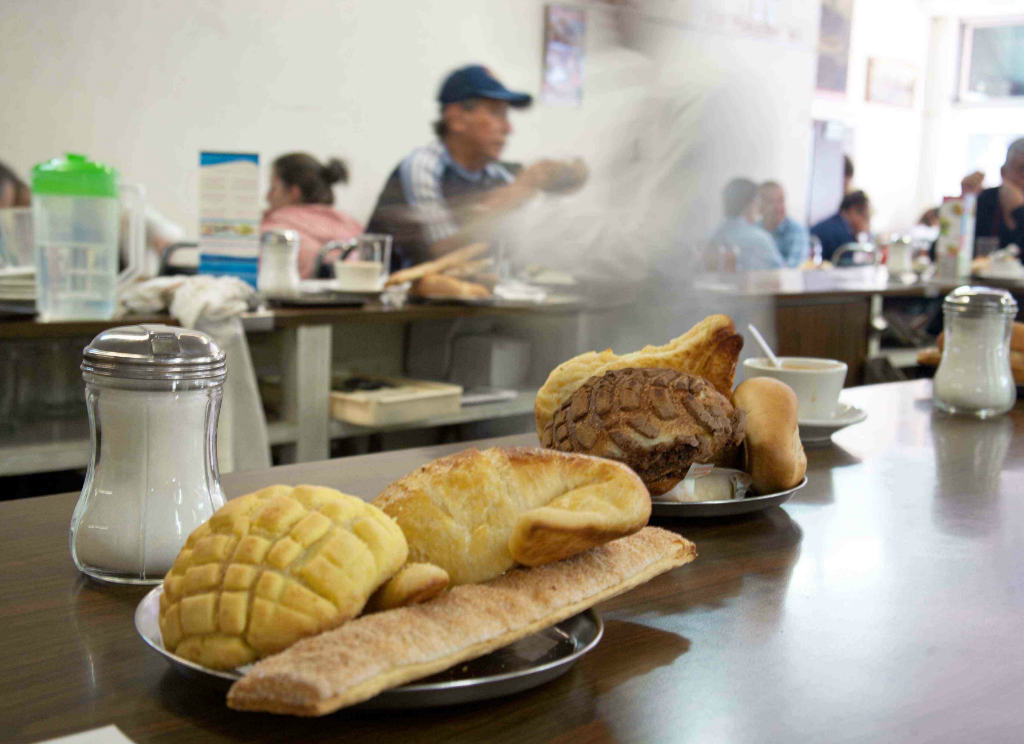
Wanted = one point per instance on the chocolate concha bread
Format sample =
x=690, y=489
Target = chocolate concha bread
x=657, y=421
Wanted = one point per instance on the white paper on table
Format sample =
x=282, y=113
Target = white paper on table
x=107, y=735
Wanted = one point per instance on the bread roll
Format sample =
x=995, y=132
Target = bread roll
x=1017, y=337
x=274, y=566
x=710, y=350
x=440, y=285
x=375, y=652
x=657, y=421
x=478, y=513
x=414, y=583
x=773, y=454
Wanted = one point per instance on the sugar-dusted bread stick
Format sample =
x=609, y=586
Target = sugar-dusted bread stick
x=375, y=652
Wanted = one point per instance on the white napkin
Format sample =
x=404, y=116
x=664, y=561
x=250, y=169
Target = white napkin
x=519, y=291
x=212, y=305
x=212, y=298
x=149, y=296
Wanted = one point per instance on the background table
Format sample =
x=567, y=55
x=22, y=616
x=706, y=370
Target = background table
x=885, y=602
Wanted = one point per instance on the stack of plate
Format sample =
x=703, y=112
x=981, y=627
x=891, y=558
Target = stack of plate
x=18, y=288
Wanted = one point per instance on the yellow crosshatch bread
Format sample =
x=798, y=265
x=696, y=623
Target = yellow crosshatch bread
x=274, y=566
x=478, y=513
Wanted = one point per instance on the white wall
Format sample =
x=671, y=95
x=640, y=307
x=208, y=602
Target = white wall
x=145, y=86
x=886, y=139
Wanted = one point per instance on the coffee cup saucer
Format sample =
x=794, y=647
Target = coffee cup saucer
x=818, y=432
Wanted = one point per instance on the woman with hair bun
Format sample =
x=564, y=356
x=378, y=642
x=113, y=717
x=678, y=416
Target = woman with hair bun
x=300, y=198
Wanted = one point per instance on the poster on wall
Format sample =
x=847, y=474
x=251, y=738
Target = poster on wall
x=563, y=55
x=891, y=82
x=834, y=45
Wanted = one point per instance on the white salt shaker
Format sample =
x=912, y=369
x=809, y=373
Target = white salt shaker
x=974, y=375
x=153, y=394
x=279, y=263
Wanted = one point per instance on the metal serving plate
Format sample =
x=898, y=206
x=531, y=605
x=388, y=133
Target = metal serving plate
x=729, y=508
x=527, y=663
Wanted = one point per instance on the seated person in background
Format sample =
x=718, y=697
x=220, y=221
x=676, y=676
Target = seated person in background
x=300, y=199
x=790, y=236
x=1000, y=212
x=450, y=192
x=848, y=186
x=853, y=218
x=13, y=191
x=755, y=248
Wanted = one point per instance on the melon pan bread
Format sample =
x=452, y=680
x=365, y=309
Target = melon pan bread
x=274, y=566
x=710, y=350
x=476, y=514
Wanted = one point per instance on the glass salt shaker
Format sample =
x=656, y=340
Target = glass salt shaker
x=278, y=274
x=153, y=393
x=974, y=375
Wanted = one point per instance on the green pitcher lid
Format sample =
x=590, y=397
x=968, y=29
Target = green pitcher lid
x=74, y=175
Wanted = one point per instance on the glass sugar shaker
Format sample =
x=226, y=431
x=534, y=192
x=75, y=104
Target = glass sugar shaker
x=279, y=263
x=974, y=375
x=153, y=393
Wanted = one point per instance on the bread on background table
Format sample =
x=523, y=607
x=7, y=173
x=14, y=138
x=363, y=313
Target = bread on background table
x=657, y=421
x=375, y=652
x=274, y=566
x=442, y=285
x=773, y=453
x=710, y=350
x=476, y=514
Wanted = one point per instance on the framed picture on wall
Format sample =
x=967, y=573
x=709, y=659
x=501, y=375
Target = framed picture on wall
x=563, y=55
x=891, y=82
x=834, y=45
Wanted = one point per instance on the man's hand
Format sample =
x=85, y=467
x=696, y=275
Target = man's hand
x=1011, y=197
x=972, y=184
x=555, y=176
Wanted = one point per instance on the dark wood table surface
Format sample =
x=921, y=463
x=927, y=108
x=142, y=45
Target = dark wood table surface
x=884, y=602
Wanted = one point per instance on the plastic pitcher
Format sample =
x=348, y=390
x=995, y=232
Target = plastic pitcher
x=76, y=215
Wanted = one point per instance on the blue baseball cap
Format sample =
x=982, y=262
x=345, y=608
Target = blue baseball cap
x=476, y=81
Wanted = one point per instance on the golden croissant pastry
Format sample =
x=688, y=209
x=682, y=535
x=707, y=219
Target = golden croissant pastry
x=476, y=513
x=710, y=350
x=274, y=566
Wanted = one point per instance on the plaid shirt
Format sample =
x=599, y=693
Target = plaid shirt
x=415, y=204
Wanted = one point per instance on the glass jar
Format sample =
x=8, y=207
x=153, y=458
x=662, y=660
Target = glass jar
x=279, y=263
x=974, y=375
x=153, y=393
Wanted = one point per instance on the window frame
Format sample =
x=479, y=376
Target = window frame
x=967, y=29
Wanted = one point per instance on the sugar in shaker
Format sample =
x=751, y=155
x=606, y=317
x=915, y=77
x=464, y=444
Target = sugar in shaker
x=153, y=393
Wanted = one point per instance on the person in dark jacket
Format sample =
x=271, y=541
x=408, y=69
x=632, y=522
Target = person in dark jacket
x=853, y=218
x=1000, y=210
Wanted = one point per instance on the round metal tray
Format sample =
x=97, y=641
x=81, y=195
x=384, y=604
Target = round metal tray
x=729, y=508
x=527, y=663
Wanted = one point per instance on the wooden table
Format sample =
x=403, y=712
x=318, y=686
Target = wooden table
x=308, y=342
x=885, y=602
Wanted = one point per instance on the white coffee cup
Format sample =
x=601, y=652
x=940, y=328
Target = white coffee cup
x=816, y=382
x=359, y=276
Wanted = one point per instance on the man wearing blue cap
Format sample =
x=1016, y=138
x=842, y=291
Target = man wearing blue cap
x=447, y=193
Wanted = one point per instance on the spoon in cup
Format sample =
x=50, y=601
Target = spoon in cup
x=764, y=345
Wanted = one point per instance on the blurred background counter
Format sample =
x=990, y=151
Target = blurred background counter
x=300, y=355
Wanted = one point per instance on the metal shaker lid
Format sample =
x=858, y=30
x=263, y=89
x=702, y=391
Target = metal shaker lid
x=154, y=352
x=974, y=301
x=279, y=238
